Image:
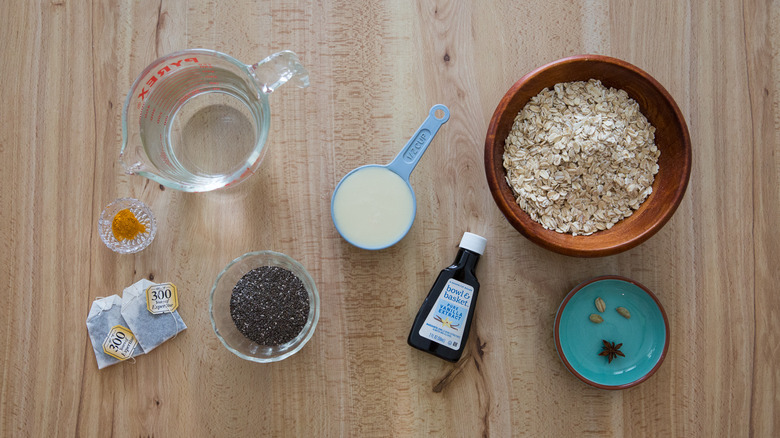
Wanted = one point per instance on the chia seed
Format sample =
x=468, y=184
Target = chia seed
x=269, y=305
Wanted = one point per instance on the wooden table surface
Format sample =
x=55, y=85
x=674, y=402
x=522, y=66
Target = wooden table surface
x=376, y=68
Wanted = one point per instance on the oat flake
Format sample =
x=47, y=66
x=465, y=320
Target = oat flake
x=581, y=157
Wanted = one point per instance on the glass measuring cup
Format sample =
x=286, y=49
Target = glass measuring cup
x=197, y=120
x=373, y=206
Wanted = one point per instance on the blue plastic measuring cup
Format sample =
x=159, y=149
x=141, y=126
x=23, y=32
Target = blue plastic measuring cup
x=402, y=166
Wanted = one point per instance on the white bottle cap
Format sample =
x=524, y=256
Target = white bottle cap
x=473, y=242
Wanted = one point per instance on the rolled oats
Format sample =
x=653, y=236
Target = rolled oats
x=581, y=157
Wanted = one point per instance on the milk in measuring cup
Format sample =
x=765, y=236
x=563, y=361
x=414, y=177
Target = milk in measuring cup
x=373, y=207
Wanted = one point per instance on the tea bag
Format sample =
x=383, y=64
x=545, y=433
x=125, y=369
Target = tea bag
x=104, y=317
x=151, y=330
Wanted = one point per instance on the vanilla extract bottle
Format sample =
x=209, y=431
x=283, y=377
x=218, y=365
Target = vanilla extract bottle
x=443, y=322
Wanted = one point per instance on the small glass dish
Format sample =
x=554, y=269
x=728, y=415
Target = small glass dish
x=141, y=212
x=222, y=321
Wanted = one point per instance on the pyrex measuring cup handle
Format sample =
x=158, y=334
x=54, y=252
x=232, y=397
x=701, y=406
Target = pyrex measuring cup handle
x=406, y=160
x=278, y=69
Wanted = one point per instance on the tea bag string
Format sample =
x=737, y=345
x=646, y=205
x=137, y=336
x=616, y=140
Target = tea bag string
x=101, y=308
x=175, y=321
x=170, y=312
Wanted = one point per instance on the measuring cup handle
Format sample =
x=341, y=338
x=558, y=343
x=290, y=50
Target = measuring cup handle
x=278, y=69
x=406, y=160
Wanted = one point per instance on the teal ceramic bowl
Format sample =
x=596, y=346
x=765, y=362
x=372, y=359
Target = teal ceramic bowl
x=645, y=336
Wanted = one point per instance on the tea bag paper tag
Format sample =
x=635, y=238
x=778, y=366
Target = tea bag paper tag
x=120, y=343
x=162, y=298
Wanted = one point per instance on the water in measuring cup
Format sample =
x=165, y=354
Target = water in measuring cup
x=202, y=126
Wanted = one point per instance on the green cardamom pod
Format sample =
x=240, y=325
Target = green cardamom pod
x=601, y=305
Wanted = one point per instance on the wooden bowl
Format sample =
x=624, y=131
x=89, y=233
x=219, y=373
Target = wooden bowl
x=671, y=138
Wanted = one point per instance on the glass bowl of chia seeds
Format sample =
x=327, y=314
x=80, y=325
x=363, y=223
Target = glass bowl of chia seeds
x=264, y=306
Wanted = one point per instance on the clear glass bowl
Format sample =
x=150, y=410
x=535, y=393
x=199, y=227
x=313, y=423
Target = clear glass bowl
x=141, y=212
x=222, y=321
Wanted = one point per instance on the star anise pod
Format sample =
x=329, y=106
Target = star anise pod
x=611, y=350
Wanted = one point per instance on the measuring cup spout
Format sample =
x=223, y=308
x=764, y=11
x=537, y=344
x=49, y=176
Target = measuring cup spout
x=135, y=162
x=129, y=167
x=278, y=69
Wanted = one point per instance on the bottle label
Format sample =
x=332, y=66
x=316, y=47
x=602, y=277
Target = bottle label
x=447, y=319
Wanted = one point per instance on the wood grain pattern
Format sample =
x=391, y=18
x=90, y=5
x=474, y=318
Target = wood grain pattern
x=377, y=67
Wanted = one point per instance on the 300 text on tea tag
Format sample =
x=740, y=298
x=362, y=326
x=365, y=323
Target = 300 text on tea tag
x=120, y=342
x=162, y=298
